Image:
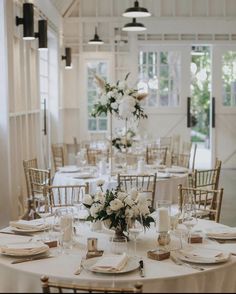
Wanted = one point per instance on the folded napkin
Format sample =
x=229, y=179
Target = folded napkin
x=221, y=232
x=202, y=254
x=111, y=263
x=28, y=225
x=29, y=248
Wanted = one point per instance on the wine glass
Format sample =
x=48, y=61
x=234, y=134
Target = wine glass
x=189, y=217
x=134, y=229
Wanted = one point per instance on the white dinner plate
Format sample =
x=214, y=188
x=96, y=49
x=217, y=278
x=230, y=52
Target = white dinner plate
x=42, y=249
x=219, y=234
x=202, y=259
x=84, y=176
x=177, y=170
x=18, y=230
x=163, y=176
x=131, y=265
x=69, y=169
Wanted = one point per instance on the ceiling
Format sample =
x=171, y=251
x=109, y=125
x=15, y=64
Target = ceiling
x=65, y=7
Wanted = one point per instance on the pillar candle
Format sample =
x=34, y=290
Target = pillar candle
x=67, y=227
x=163, y=220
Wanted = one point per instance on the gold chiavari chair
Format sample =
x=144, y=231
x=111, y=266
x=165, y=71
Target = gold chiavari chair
x=60, y=196
x=59, y=287
x=95, y=155
x=58, y=156
x=186, y=147
x=154, y=153
x=180, y=160
x=31, y=163
x=143, y=183
x=39, y=179
x=208, y=202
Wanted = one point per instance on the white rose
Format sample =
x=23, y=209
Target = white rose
x=94, y=209
x=116, y=204
x=103, y=99
x=109, y=211
x=133, y=193
x=88, y=200
x=100, y=197
x=121, y=195
x=100, y=182
x=110, y=94
x=136, y=211
x=114, y=105
x=123, y=110
x=122, y=85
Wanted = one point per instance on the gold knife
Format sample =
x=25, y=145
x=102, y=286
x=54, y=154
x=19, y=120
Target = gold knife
x=30, y=259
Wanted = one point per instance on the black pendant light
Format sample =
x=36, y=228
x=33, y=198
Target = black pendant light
x=42, y=35
x=96, y=40
x=134, y=26
x=27, y=21
x=136, y=11
x=67, y=58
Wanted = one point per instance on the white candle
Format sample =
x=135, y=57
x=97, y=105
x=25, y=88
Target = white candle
x=163, y=220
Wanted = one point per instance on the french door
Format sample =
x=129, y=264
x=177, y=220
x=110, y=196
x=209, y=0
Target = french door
x=223, y=115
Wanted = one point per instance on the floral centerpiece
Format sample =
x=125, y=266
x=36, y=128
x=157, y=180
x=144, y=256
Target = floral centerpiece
x=118, y=99
x=118, y=209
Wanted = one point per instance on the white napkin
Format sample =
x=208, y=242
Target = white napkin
x=111, y=263
x=28, y=225
x=221, y=232
x=202, y=254
x=29, y=248
x=69, y=169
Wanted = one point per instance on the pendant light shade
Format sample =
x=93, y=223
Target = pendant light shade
x=67, y=58
x=42, y=35
x=136, y=11
x=96, y=40
x=27, y=21
x=134, y=26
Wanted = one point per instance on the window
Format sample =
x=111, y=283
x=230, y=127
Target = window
x=100, y=68
x=159, y=75
x=229, y=78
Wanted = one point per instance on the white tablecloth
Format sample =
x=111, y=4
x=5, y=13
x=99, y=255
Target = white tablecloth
x=161, y=276
x=166, y=189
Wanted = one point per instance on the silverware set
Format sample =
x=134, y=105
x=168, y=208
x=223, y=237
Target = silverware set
x=79, y=270
x=178, y=261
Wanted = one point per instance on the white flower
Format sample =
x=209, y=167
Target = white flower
x=110, y=94
x=143, y=197
x=103, y=99
x=109, y=211
x=100, y=182
x=88, y=200
x=114, y=105
x=95, y=208
x=133, y=193
x=100, y=197
x=121, y=195
x=116, y=204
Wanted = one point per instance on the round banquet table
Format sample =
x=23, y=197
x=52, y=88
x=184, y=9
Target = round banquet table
x=166, y=188
x=161, y=276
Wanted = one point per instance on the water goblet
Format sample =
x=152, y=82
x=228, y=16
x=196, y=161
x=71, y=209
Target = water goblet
x=135, y=228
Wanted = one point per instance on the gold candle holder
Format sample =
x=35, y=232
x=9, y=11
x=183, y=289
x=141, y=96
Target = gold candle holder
x=163, y=238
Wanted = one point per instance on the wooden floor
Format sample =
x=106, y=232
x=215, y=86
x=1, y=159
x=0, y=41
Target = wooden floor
x=228, y=211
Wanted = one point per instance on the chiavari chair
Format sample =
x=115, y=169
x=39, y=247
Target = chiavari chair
x=208, y=202
x=180, y=160
x=142, y=183
x=60, y=287
x=58, y=156
x=66, y=195
x=95, y=155
x=154, y=153
x=39, y=179
x=31, y=163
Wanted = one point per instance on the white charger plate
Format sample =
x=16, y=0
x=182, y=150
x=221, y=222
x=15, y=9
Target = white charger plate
x=131, y=265
x=202, y=260
x=43, y=249
x=210, y=234
x=18, y=230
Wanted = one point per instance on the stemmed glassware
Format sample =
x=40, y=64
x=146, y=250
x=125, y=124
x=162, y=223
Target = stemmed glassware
x=135, y=228
x=189, y=214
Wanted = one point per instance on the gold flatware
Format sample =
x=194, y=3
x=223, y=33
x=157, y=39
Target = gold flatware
x=79, y=270
x=177, y=261
x=30, y=259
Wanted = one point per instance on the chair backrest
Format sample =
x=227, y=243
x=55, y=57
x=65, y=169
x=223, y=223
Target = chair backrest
x=143, y=183
x=206, y=179
x=95, y=155
x=175, y=144
x=48, y=285
x=194, y=156
x=153, y=153
x=31, y=163
x=58, y=156
x=66, y=195
x=39, y=179
x=186, y=147
x=180, y=160
x=208, y=202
